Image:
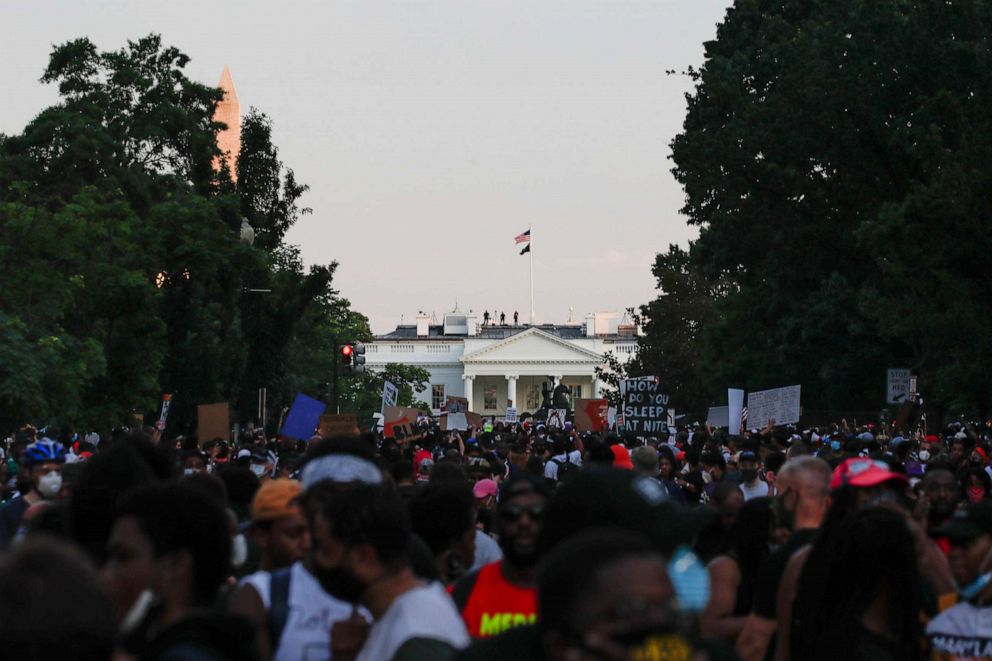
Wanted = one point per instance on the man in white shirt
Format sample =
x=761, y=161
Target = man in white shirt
x=360, y=539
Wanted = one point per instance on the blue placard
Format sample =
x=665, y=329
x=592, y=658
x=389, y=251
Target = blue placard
x=303, y=417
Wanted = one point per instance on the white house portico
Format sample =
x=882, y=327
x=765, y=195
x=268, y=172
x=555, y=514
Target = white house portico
x=511, y=372
x=495, y=366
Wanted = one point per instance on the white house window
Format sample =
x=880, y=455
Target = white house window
x=489, y=398
x=533, y=397
x=576, y=392
x=437, y=396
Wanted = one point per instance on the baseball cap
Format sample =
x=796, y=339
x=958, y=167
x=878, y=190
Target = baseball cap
x=863, y=472
x=967, y=523
x=598, y=497
x=484, y=489
x=275, y=499
x=621, y=458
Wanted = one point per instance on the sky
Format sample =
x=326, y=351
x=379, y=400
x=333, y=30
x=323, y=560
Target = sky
x=432, y=133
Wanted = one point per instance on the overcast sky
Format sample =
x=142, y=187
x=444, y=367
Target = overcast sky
x=432, y=133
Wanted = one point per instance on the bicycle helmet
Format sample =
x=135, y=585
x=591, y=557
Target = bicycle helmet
x=42, y=452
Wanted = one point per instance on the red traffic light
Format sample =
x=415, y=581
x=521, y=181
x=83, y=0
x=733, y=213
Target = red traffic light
x=347, y=350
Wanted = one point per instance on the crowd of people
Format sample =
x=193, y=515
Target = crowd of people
x=510, y=542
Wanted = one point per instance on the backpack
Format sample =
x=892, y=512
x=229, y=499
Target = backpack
x=566, y=469
x=279, y=604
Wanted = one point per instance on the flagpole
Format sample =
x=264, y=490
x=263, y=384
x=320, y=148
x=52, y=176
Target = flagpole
x=531, y=235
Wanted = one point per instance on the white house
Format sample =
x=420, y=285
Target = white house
x=495, y=366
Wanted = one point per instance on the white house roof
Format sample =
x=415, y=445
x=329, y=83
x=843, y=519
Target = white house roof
x=532, y=345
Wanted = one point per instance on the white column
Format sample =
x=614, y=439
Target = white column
x=597, y=388
x=469, y=388
x=511, y=389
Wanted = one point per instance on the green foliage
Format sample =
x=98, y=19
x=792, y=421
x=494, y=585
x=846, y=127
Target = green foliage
x=834, y=157
x=123, y=272
x=363, y=393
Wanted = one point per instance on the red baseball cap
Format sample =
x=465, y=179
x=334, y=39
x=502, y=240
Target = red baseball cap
x=621, y=458
x=863, y=472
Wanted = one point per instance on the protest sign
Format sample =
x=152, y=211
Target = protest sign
x=390, y=394
x=454, y=422
x=400, y=422
x=735, y=410
x=897, y=386
x=645, y=407
x=718, y=416
x=591, y=415
x=778, y=404
x=166, y=401
x=303, y=417
x=611, y=416
x=334, y=424
x=511, y=414
x=456, y=404
x=213, y=421
x=557, y=418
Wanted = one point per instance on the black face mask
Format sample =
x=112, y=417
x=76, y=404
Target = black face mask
x=748, y=474
x=341, y=583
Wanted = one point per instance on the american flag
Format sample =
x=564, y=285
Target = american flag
x=521, y=238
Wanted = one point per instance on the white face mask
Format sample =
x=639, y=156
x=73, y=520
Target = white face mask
x=239, y=550
x=707, y=478
x=258, y=470
x=50, y=485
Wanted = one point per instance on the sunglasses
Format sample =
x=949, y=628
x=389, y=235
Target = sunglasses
x=514, y=512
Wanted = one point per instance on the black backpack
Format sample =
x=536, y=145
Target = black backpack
x=566, y=469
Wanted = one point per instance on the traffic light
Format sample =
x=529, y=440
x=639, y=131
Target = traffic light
x=358, y=358
x=352, y=358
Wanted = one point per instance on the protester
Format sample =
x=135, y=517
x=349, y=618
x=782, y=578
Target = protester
x=43, y=462
x=752, y=486
x=278, y=526
x=362, y=536
x=52, y=607
x=800, y=507
x=502, y=594
x=443, y=515
x=167, y=557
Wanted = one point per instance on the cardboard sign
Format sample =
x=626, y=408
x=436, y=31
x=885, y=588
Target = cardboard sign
x=645, y=407
x=338, y=424
x=303, y=417
x=400, y=422
x=897, y=386
x=213, y=421
x=456, y=404
x=390, y=394
x=511, y=414
x=778, y=404
x=718, y=416
x=591, y=415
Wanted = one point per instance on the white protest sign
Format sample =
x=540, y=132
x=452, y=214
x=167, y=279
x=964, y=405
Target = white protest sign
x=718, y=416
x=557, y=418
x=778, y=404
x=897, y=386
x=735, y=409
x=611, y=416
x=390, y=394
x=511, y=414
x=457, y=421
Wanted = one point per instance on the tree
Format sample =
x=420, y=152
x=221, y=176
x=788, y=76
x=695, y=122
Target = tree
x=817, y=136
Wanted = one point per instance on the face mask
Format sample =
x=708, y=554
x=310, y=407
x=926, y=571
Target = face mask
x=690, y=580
x=835, y=446
x=976, y=494
x=239, y=550
x=749, y=474
x=707, y=478
x=341, y=583
x=258, y=470
x=190, y=471
x=50, y=485
x=924, y=455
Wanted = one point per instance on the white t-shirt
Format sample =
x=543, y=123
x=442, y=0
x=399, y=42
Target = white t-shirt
x=757, y=491
x=551, y=468
x=423, y=612
x=963, y=631
x=307, y=635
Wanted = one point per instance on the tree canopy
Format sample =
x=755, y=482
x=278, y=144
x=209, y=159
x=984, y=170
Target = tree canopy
x=834, y=157
x=124, y=276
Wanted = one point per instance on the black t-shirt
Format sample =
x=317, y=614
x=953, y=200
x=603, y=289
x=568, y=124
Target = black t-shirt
x=770, y=574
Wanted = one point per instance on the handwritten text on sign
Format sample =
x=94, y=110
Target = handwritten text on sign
x=645, y=408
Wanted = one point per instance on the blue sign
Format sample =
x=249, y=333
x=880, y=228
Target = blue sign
x=303, y=417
